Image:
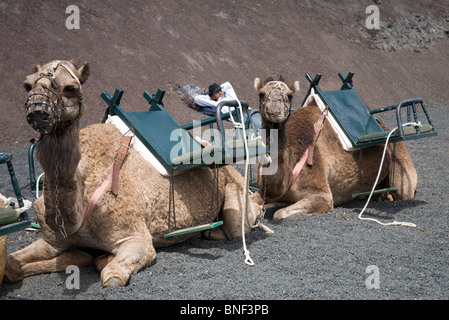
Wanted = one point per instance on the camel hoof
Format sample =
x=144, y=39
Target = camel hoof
x=112, y=283
x=280, y=214
x=206, y=234
x=214, y=234
x=113, y=276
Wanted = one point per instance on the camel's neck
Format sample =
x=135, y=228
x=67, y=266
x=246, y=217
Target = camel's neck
x=273, y=129
x=59, y=155
x=275, y=185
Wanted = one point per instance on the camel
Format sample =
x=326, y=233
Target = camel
x=128, y=226
x=332, y=174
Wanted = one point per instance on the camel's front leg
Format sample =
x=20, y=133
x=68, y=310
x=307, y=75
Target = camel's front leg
x=41, y=257
x=132, y=254
x=231, y=214
x=314, y=203
x=404, y=175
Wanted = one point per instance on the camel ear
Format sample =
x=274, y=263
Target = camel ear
x=295, y=86
x=258, y=84
x=37, y=68
x=84, y=72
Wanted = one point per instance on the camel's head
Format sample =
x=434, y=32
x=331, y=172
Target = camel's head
x=55, y=95
x=275, y=99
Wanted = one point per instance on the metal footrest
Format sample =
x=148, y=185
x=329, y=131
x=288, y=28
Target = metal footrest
x=356, y=195
x=194, y=229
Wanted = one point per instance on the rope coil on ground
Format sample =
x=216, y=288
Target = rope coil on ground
x=394, y=223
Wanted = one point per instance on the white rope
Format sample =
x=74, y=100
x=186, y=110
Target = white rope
x=246, y=191
x=394, y=223
x=238, y=125
x=37, y=184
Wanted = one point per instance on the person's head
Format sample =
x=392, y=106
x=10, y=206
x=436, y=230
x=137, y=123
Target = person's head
x=215, y=92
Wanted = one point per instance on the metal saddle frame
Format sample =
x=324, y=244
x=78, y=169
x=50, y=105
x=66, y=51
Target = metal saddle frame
x=155, y=128
x=355, y=122
x=23, y=219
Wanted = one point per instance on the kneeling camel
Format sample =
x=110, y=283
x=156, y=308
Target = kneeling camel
x=331, y=174
x=129, y=225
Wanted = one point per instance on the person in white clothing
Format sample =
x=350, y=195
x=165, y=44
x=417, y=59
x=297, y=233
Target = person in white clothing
x=215, y=95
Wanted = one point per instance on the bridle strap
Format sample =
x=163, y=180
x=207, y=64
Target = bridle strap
x=69, y=71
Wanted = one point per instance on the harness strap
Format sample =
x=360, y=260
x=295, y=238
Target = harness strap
x=96, y=195
x=112, y=176
x=308, y=154
x=118, y=161
x=298, y=167
x=318, y=126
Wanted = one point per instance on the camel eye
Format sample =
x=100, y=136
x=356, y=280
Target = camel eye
x=27, y=86
x=71, y=90
x=261, y=95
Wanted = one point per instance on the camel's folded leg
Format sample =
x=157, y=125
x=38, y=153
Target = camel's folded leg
x=231, y=214
x=102, y=261
x=319, y=202
x=41, y=257
x=404, y=175
x=133, y=254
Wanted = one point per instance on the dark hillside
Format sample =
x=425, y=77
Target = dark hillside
x=144, y=45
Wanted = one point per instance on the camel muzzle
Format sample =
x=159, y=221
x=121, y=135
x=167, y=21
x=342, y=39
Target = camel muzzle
x=41, y=119
x=42, y=113
x=45, y=107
